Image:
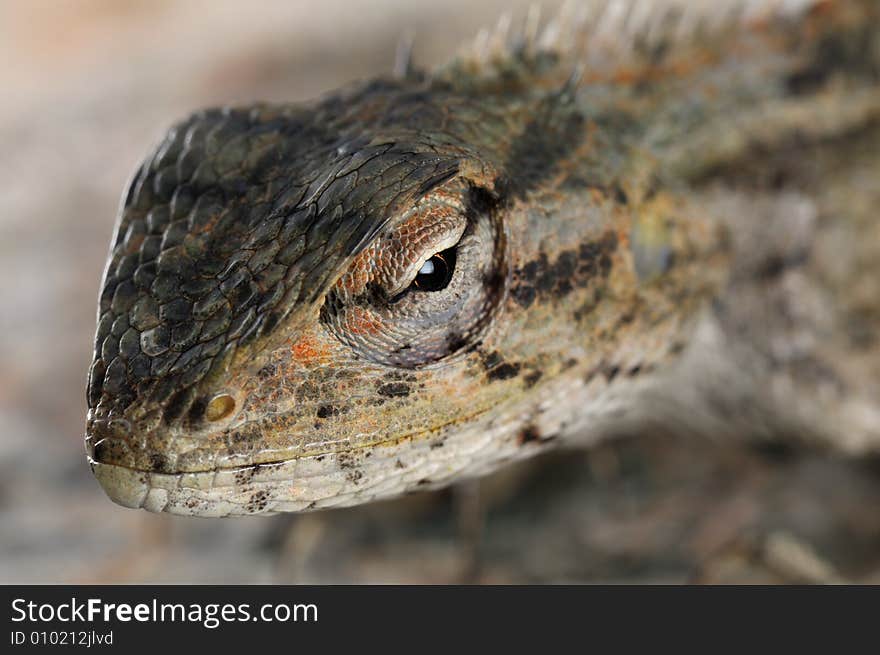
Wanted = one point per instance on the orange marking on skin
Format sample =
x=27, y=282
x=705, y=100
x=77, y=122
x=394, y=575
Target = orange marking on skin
x=680, y=67
x=360, y=272
x=307, y=351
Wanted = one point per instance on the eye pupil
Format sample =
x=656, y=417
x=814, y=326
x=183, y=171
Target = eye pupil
x=436, y=273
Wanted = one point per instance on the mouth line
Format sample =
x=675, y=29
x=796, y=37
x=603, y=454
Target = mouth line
x=304, y=455
x=229, y=491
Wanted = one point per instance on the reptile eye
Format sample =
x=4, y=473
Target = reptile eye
x=428, y=287
x=436, y=273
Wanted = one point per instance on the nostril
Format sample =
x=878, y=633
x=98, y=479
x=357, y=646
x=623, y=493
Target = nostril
x=103, y=435
x=101, y=451
x=108, y=439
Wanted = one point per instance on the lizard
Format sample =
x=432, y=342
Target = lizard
x=638, y=217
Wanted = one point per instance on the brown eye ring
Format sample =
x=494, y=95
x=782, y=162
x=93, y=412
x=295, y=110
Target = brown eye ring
x=406, y=304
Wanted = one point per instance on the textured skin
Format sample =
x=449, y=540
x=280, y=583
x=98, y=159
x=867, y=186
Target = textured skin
x=654, y=240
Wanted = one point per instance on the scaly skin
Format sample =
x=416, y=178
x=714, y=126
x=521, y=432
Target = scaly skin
x=671, y=228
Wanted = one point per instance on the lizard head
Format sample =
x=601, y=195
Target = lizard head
x=408, y=281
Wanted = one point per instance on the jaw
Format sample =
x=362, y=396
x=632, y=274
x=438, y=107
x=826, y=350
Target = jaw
x=572, y=405
x=335, y=479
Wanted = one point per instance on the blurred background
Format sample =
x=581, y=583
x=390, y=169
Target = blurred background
x=88, y=88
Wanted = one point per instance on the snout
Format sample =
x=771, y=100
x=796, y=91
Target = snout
x=107, y=446
x=107, y=439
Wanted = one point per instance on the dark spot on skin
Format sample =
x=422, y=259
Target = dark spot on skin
x=326, y=411
x=774, y=451
x=503, y=372
x=571, y=269
x=393, y=389
x=531, y=378
x=599, y=368
x=528, y=434
x=838, y=51
x=806, y=81
x=197, y=410
x=243, y=436
x=634, y=371
x=423, y=482
x=496, y=368
x=490, y=359
x=565, y=265
x=437, y=444
x=401, y=376
x=493, y=283
x=268, y=371
x=270, y=322
x=548, y=139
x=348, y=462
x=179, y=403
x=611, y=373
x=530, y=271
x=482, y=200
x=605, y=262
x=524, y=295
x=455, y=341
x=257, y=502
x=779, y=180
x=626, y=318
x=245, y=475
x=158, y=463
x=400, y=465
x=776, y=265
x=569, y=363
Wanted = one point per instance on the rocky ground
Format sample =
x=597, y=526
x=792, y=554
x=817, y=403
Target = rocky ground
x=88, y=87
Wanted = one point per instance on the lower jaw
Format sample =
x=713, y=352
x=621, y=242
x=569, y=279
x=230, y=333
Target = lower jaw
x=225, y=492
x=309, y=483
